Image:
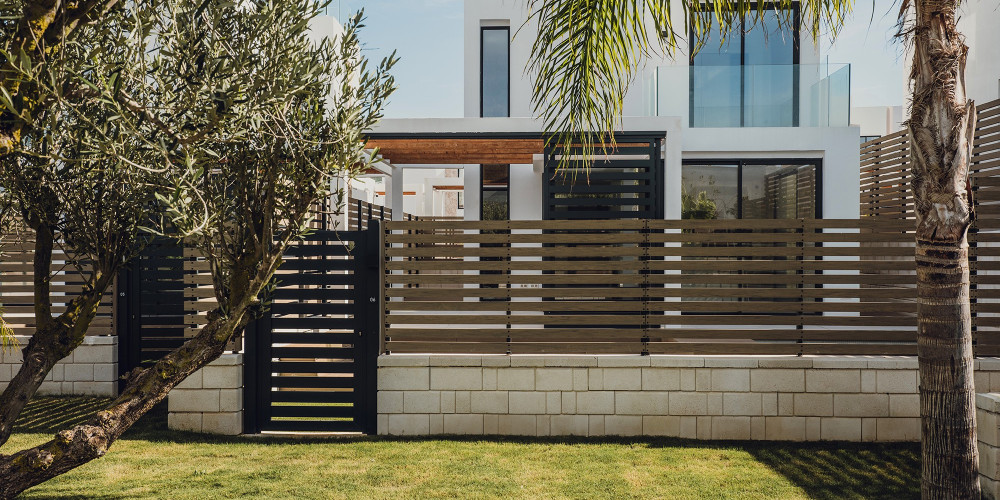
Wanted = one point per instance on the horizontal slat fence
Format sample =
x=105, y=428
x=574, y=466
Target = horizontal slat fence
x=17, y=295
x=793, y=286
x=886, y=194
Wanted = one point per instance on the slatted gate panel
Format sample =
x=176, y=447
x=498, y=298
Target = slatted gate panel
x=151, y=297
x=315, y=348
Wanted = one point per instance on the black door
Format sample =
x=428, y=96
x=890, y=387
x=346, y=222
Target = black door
x=311, y=358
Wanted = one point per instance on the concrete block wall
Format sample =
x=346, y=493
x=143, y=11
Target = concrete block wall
x=91, y=370
x=988, y=433
x=856, y=398
x=210, y=400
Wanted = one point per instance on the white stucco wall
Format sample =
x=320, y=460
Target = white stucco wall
x=980, y=23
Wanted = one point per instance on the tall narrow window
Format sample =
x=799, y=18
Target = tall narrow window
x=494, y=69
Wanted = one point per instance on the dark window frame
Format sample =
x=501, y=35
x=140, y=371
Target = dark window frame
x=739, y=163
x=796, y=35
x=483, y=188
x=482, y=32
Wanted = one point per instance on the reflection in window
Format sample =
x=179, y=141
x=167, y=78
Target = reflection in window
x=750, y=80
x=495, y=192
x=749, y=189
x=495, y=72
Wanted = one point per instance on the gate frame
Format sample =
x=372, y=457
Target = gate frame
x=368, y=302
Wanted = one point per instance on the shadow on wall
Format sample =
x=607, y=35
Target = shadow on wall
x=846, y=470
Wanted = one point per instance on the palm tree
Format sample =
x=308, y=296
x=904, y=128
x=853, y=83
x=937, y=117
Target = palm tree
x=587, y=52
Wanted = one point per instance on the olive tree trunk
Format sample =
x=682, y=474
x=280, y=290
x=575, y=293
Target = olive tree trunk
x=941, y=129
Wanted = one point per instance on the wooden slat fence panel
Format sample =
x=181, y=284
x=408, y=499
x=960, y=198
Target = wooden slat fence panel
x=768, y=287
x=886, y=194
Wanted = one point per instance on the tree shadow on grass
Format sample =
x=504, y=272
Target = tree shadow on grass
x=846, y=470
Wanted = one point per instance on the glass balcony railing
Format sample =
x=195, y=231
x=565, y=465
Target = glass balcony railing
x=780, y=95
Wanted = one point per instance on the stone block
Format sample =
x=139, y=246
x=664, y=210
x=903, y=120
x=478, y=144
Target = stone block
x=777, y=380
x=898, y=429
x=731, y=361
x=491, y=424
x=622, y=379
x=447, y=401
x=687, y=379
x=595, y=402
x=661, y=425
x=53, y=389
x=489, y=402
x=813, y=405
x=570, y=361
x=569, y=425
x=840, y=429
x=457, y=379
x=987, y=425
x=595, y=379
x=704, y=428
x=79, y=373
x=757, y=428
x=489, y=379
x=403, y=379
x=741, y=403
x=688, y=428
x=409, y=425
x=893, y=362
x=813, y=428
x=6, y=372
x=622, y=361
x=786, y=404
x=769, y=403
x=382, y=424
x=463, y=424
x=868, y=432
x=785, y=362
x=861, y=405
x=106, y=372
x=833, y=380
x=409, y=360
x=990, y=488
x=58, y=371
x=553, y=379
x=542, y=425
x=516, y=425
x=463, y=401
x=581, y=379
x=421, y=402
x=730, y=380
x=516, y=379
x=92, y=388
x=688, y=403
x=230, y=400
x=785, y=428
x=526, y=403
x=703, y=379
x=496, y=360
x=447, y=360
x=622, y=425
x=595, y=425
x=391, y=402
x=731, y=428
x=435, y=425
x=904, y=405
x=553, y=403
x=840, y=362
x=192, y=381
x=526, y=360
x=896, y=381
x=193, y=400
x=868, y=381
x=226, y=424
x=676, y=361
x=661, y=379
x=184, y=422
x=569, y=402
x=714, y=400
x=641, y=403
x=222, y=377
x=93, y=354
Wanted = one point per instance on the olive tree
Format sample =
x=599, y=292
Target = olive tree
x=246, y=119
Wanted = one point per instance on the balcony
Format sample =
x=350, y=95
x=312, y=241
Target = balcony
x=780, y=95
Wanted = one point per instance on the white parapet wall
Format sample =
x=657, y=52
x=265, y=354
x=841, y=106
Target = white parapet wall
x=210, y=400
x=91, y=370
x=810, y=398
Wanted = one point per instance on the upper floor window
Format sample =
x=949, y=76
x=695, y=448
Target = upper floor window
x=750, y=80
x=494, y=71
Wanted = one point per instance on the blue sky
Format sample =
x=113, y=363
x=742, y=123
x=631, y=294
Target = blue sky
x=427, y=35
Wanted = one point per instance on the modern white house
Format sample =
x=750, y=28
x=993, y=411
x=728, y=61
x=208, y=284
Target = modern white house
x=749, y=124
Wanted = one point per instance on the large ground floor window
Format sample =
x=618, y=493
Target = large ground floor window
x=750, y=189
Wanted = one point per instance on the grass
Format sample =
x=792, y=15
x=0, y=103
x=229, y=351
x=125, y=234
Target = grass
x=152, y=462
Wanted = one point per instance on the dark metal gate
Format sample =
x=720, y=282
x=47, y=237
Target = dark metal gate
x=311, y=359
x=150, y=305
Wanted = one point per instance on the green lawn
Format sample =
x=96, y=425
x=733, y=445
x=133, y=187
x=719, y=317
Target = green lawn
x=151, y=462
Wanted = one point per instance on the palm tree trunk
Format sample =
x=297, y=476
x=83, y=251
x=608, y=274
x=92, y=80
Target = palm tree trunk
x=941, y=127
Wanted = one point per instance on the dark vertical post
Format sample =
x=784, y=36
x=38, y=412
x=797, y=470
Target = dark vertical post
x=367, y=289
x=251, y=425
x=123, y=323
